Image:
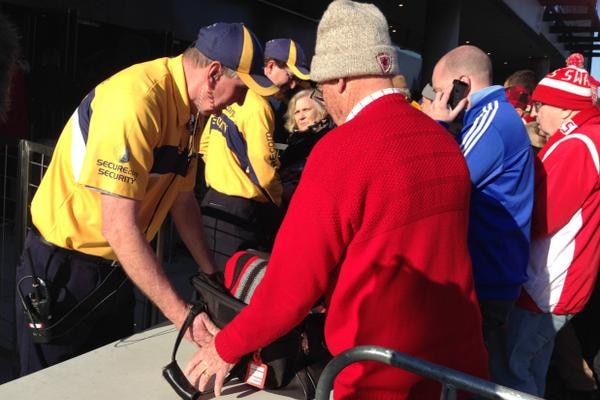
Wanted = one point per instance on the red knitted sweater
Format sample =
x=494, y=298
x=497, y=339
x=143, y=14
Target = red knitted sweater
x=379, y=224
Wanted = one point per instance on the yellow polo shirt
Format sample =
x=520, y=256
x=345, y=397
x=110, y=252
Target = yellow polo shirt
x=248, y=127
x=129, y=137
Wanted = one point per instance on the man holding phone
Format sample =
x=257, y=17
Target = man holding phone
x=497, y=150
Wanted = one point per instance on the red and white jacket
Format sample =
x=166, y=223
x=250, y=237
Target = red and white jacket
x=565, y=250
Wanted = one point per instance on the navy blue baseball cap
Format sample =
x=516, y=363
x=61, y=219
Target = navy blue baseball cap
x=289, y=52
x=237, y=48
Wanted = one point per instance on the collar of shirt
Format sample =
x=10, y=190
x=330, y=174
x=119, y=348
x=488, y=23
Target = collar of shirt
x=369, y=99
x=182, y=102
x=480, y=94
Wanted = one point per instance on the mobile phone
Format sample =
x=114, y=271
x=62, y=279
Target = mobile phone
x=459, y=92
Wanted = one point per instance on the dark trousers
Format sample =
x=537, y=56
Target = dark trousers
x=494, y=318
x=225, y=238
x=233, y=223
x=71, y=277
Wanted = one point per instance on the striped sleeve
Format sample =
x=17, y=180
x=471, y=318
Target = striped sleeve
x=482, y=147
x=565, y=176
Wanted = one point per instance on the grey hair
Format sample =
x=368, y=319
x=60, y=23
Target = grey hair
x=199, y=60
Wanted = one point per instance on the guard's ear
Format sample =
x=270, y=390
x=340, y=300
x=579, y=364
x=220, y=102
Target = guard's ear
x=213, y=72
x=269, y=65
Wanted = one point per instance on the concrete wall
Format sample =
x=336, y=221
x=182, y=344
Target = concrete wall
x=531, y=12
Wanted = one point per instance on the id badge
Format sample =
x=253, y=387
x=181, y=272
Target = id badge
x=256, y=373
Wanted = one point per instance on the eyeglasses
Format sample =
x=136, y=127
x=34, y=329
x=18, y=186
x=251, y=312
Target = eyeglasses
x=537, y=105
x=282, y=65
x=317, y=94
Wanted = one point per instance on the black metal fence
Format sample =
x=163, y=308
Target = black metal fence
x=22, y=166
x=9, y=214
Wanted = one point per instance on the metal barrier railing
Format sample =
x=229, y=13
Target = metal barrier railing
x=451, y=379
x=33, y=163
x=34, y=159
x=9, y=186
x=8, y=199
x=22, y=165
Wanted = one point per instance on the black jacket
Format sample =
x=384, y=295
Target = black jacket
x=293, y=158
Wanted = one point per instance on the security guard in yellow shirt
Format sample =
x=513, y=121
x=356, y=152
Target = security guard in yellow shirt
x=241, y=206
x=125, y=159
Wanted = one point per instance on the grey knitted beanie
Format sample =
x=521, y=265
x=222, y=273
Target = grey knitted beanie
x=352, y=40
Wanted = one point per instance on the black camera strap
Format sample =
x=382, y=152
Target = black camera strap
x=37, y=305
x=172, y=372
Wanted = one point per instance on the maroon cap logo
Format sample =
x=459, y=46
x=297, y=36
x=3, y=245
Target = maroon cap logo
x=385, y=62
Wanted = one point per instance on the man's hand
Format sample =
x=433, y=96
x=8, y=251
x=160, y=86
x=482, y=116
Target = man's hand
x=536, y=135
x=202, y=330
x=439, y=110
x=205, y=364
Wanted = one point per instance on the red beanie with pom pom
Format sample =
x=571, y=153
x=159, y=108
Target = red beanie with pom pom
x=567, y=88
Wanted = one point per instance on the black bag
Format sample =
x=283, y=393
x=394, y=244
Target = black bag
x=295, y=361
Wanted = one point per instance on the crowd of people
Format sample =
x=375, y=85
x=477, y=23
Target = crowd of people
x=461, y=229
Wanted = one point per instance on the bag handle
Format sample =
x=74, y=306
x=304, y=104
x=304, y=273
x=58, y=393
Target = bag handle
x=172, y=372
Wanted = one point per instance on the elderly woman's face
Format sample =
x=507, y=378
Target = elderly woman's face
x=306, y=113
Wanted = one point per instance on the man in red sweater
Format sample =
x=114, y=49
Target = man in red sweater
x=378, y=224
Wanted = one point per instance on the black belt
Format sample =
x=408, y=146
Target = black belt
x=249, y=214
x=73, y=254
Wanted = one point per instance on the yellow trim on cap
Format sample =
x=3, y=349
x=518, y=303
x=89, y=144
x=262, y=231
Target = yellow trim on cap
x=291, y=62
x=245, y=63
x=245, y=66
x=298, y=73
x=292, y=54
x=255, y=87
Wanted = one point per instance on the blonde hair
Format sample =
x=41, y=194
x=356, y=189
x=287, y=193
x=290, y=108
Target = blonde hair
x=199, y=60
x=290, y=122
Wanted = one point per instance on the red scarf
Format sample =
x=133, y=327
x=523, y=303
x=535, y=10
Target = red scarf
x=570, y=125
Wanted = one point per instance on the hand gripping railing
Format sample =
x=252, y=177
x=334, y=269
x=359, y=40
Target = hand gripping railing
x=451, y=379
